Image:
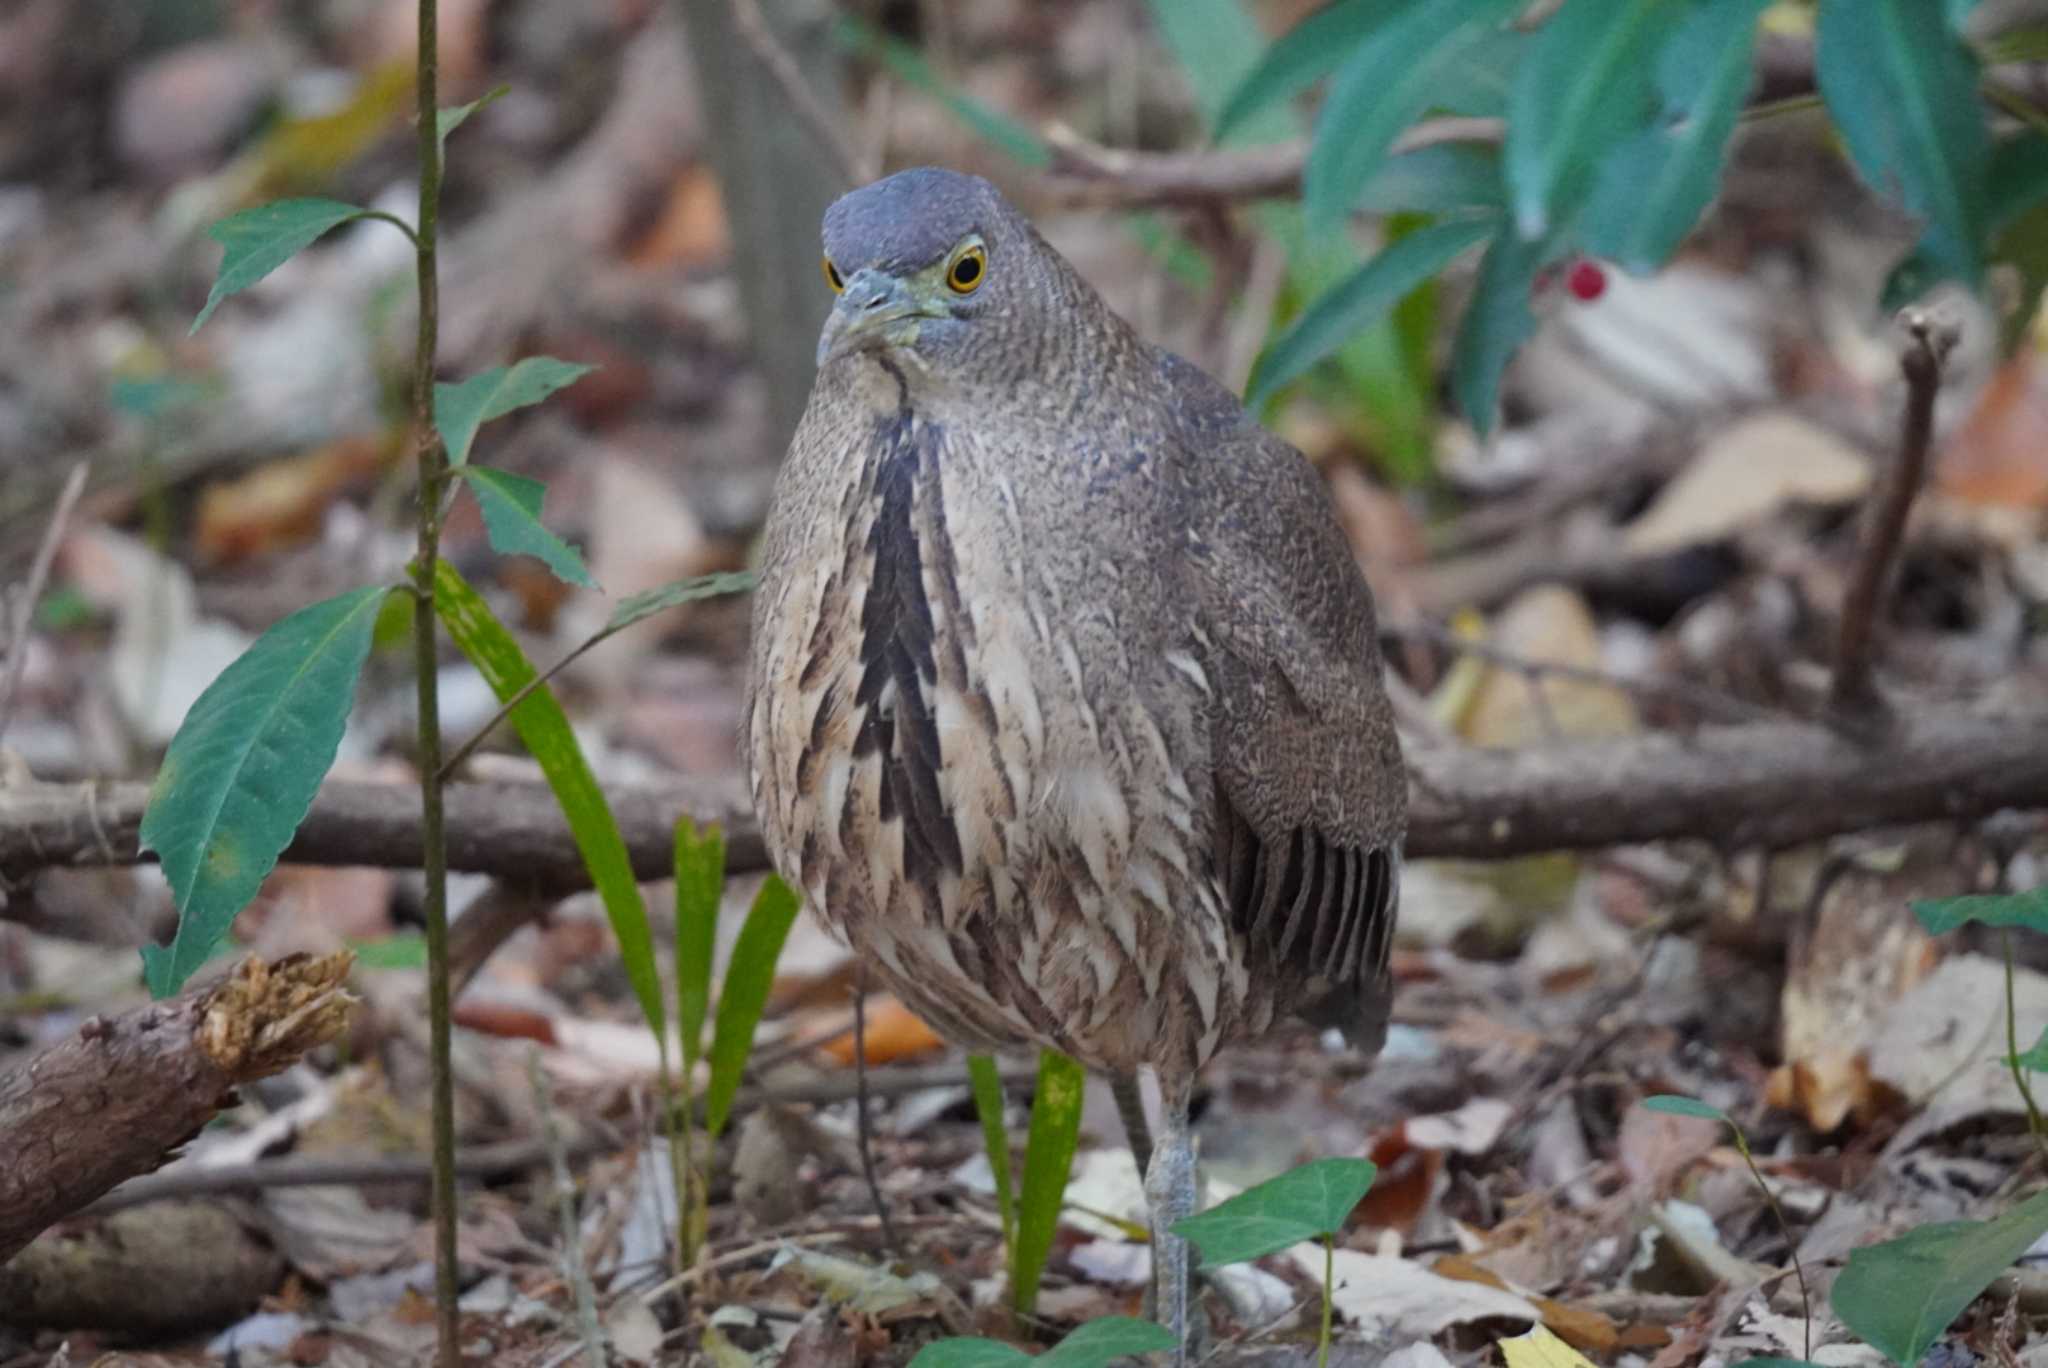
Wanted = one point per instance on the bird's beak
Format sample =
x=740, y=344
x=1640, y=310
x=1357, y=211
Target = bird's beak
x=876, y=309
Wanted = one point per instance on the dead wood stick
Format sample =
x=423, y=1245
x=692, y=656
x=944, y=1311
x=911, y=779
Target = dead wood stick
x=1852, y=693
x=118, y=1097
x=1765, y=785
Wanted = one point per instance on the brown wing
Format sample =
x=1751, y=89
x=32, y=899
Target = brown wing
x=1311, y=796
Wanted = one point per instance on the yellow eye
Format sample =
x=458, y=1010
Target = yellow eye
x=964, y=274
x=832, y=277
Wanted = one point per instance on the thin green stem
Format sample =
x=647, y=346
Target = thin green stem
x=2012, y=1056
x=1329, y=1298
x=396, y=222
x=526, y=690
x=1785, y=1229
x=433, y=463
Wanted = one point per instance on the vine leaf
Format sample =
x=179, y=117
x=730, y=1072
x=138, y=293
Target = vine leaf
x=259, y=240
x=511, y=507
x=460, y=409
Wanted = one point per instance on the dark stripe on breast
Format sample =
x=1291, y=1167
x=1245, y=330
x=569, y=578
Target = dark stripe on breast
x=898, y=647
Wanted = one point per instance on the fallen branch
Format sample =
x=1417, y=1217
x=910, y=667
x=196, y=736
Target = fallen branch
x=117, y=1098
x=1763, y=785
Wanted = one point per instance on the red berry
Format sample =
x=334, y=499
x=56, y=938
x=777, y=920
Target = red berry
x=1586, y=280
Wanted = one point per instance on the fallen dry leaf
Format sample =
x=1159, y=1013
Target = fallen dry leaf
x=1999, y=454
x=1744, y=474
x=893, y=1033
x=281, y=503
x=1396, y=1297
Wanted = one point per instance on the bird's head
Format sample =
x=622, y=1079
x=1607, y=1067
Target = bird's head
x=929, y=266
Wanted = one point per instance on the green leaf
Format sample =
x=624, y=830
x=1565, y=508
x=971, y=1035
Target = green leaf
x=2019, y=226
x=544, y=729
x=1216, y=43
x=700, y=883
x=1958, y=12
x=511, y=506
x=747, y=979
x=1483, y=81
x=1942, y=915
x=649, y=602
x=240, y=774
x=260, y=240
x=1445, y=178
x=1652, y=188
x=1585, y=86
x=1496, y=322
x=1048, y=1160
x=446, y=121
x=406, y=950
x=1303, y=1203
x=1673, y=1105
x=1362, y=300
x=1903, y=90
x=1094, y=1345
x=2036, y=1059
x=1385, y=83
x=1302, y=56
x=999, y=131
x=1901, y=1295
x=987, y=1084
x=460, y=409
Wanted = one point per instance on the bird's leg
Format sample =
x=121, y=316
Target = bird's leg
x=1130, y=1105
x=1170, y=1192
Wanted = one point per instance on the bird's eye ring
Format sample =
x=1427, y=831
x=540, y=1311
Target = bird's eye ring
x=832, y=277
x=966, y=271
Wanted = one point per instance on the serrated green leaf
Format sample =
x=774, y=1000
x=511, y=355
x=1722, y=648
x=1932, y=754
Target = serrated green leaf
x=259, y=240
x=511, y=507
x=903, y=62
x=1903, y=90
x=460, y=409
x=544, y=729
x=446, y=121
x=987, y=1085
x=1673, y=1105
x=1306, y=53
x=1652, y=188
x=1496, y=322
x=646, y=604
x=1383, y=85
x=1901, y=1295
x=1048, y=1160
x=700, y=884
x=748, y=976
x=1942, y=915
x=1094, y=1345
x=1304, y=1203
x=1364, y=299
x=242, y=770
x=1585, y=86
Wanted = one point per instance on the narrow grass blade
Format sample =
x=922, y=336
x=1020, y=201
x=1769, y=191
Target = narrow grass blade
x=748, y=977
x=987, y=1083
x=700, y=879
x=544, y=728
x=243, y=768
x=1048, y=1159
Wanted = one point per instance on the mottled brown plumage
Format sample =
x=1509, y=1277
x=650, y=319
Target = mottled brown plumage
x=1065, y=704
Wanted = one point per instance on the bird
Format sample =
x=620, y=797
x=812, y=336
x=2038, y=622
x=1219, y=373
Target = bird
x=1064, y=702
